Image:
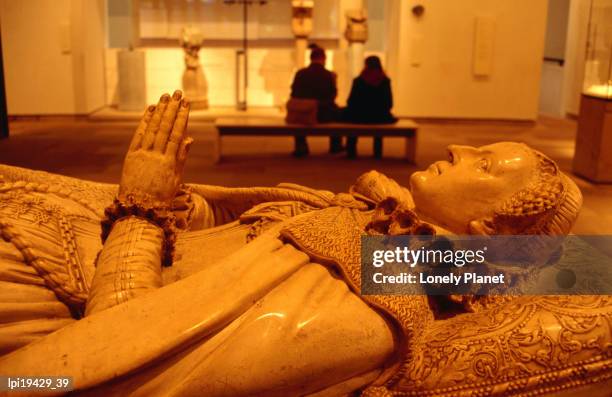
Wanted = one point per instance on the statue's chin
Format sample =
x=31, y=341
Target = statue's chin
x=418, y=184
x=415, y=180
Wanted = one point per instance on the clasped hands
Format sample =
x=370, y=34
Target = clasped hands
x=153, y=166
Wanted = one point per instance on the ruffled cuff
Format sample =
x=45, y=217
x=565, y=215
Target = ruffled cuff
x=160, y=216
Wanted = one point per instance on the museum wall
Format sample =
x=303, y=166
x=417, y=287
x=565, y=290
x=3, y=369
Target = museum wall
x=553, y=66
x=53, y=56
x=566, y=37
x=433, y=66
x=88, y=65
x=575, y=55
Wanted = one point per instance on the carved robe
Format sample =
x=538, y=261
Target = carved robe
x=279, y=315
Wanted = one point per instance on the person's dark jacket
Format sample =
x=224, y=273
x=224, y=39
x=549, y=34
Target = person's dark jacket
x=316, y=82
x=370, y=103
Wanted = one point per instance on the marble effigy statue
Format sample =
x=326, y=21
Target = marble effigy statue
x=197, y=290
x=195, y=85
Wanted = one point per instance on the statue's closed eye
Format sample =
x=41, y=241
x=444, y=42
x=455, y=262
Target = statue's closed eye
x=451, y=157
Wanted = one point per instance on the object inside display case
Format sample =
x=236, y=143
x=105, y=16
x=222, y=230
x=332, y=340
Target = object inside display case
x=598, y=66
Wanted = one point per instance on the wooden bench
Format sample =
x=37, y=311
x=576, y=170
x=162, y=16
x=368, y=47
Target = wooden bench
x=278, y=127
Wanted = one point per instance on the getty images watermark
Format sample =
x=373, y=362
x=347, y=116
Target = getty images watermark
x=485, y=265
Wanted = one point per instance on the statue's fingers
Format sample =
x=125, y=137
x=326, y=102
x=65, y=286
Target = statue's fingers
x=142, y=127
x=183, y=151
x=178, y=130
x=167, y=121
x=153, y=126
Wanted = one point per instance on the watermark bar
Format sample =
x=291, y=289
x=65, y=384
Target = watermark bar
x=486, y=265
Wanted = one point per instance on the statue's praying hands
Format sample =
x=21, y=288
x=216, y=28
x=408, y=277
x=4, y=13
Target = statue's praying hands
x=152, y=174
x=153, y=167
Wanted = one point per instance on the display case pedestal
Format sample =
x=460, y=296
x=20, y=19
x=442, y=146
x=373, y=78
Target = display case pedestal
x=301, y=25
x=355, y=58
x=593, y=156
x=301, y=45
x=356, y=33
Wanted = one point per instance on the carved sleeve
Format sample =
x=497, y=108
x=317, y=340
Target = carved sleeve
x=29, y=310
x=129, y=264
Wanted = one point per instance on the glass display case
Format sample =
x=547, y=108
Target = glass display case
x=593, y=155
x=222, y=20
x=598, y=65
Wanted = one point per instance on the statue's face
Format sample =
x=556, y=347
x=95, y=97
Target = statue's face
x=472, y=184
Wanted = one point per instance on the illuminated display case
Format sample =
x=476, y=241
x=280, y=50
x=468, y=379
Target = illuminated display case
x=593, y=156
x=598, y=65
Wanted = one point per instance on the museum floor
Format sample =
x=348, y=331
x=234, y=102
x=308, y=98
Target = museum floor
x=94, y=150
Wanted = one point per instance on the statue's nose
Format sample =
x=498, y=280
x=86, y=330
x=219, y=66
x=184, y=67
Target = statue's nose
x=458, y=152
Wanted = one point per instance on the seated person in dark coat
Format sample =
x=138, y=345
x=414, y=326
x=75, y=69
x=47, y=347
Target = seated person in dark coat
x=316, y=82
x=369, y=102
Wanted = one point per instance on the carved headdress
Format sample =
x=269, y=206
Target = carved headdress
x=548, y=205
